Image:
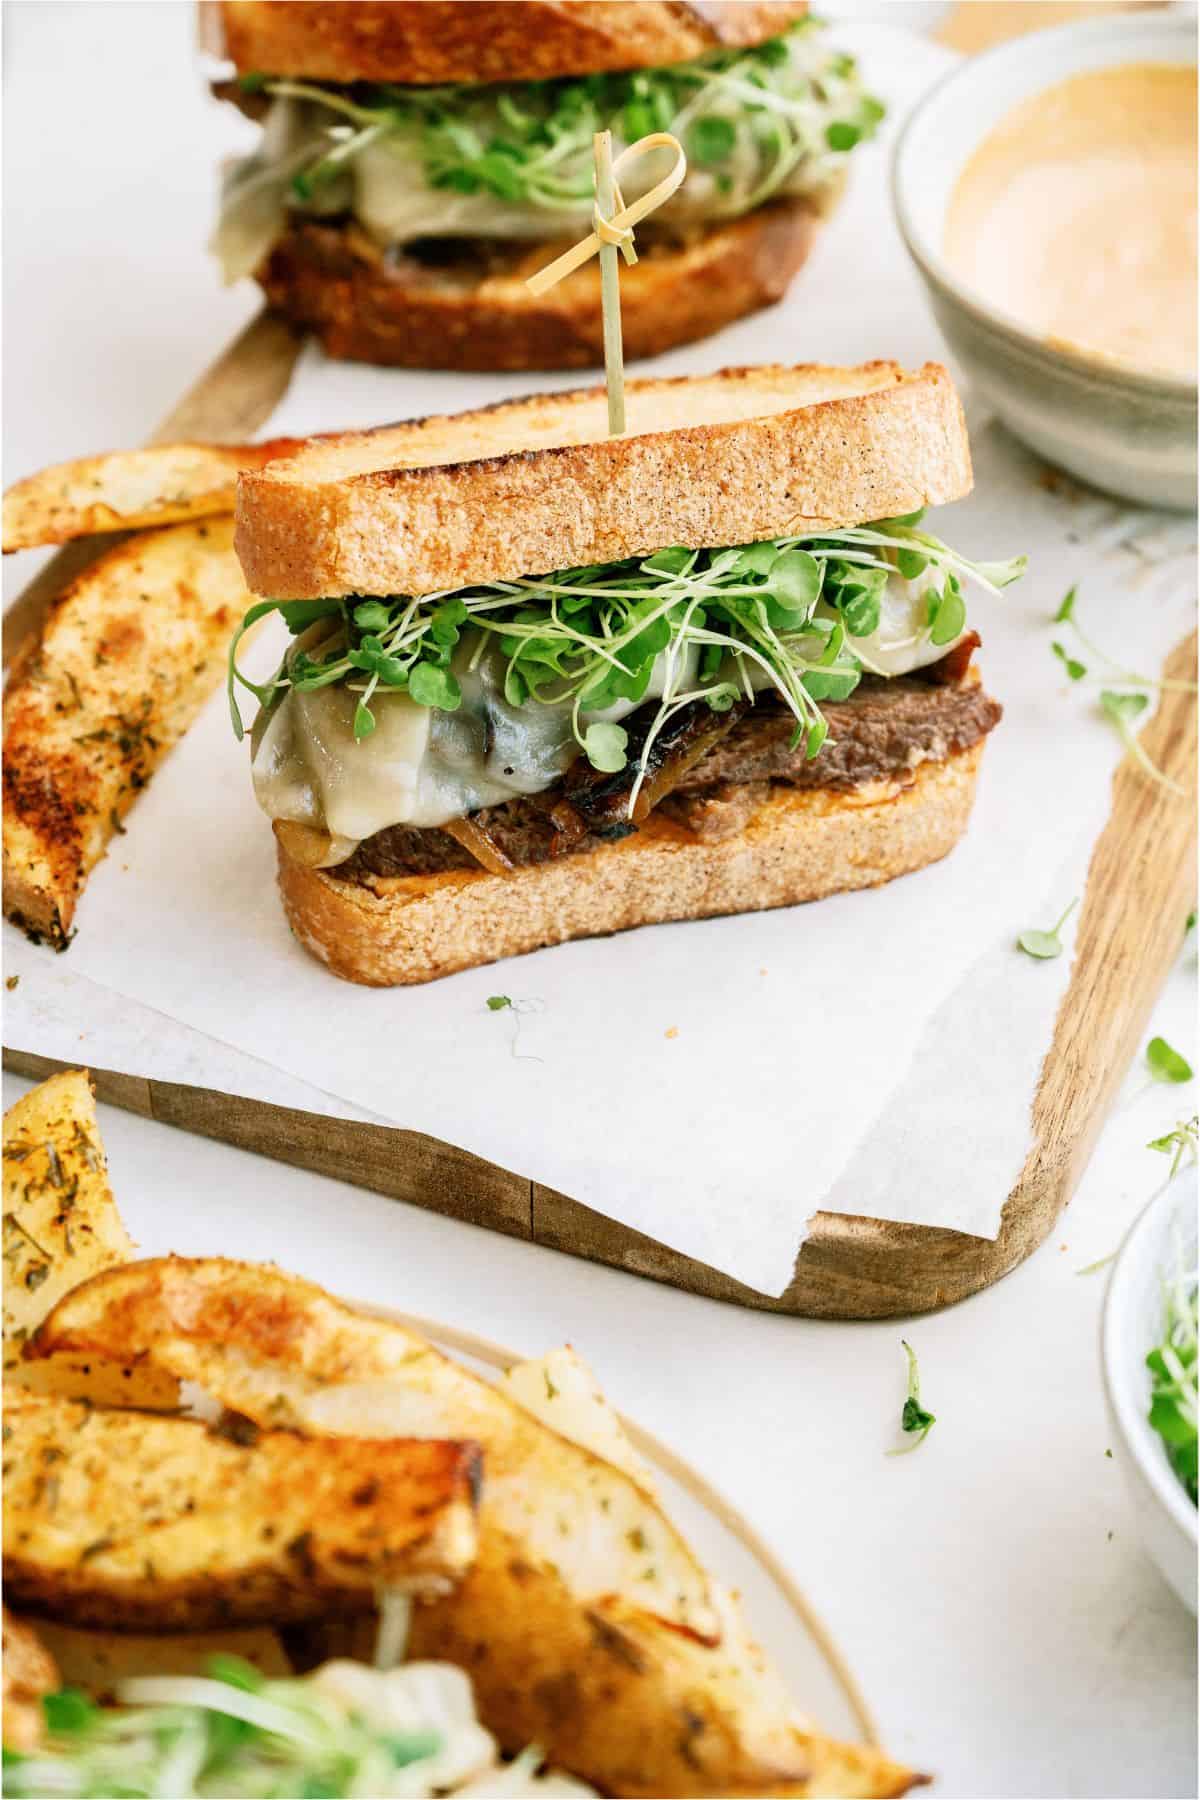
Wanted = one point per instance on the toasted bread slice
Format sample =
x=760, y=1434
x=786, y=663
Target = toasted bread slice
x=129, y=490
x=129, y=653
x=801, y=844
x=467, y=307
x=417, y=41
x=141, y=1521
x=536, y=484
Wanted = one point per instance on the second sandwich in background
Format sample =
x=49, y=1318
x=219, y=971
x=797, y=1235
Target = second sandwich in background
x=418, y=161
x=603, y=682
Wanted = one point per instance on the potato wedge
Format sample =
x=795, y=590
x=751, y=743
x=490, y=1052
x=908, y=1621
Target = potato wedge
x=97, y=1661
x=561, y=1391
x=129, y=653
x=146, y=1521
x=28, y=1672
x=61, y=1225
x=586, y=1623
x=130, y=490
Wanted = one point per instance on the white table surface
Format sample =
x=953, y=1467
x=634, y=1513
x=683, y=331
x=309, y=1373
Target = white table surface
x=988, y=1591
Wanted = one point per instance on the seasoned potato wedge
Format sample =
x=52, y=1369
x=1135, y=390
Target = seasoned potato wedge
x=61, y=1225
x=561, y=1391
x=97, y=1661
x=146, y=1521
x=130, y=490
x=586, y=1623
x=129, y=653
x=28, y=1672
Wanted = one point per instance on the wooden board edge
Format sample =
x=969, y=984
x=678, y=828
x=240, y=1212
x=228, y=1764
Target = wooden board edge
x=1140, y=887
x=403, y=1165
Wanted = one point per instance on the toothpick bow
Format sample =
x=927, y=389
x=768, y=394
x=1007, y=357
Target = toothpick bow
x=612, y=230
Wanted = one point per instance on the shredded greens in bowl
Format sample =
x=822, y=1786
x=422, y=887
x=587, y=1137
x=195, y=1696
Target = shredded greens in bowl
x=1173, y=1366
x=792, y=614
x=516, y=159
x=347, y=1730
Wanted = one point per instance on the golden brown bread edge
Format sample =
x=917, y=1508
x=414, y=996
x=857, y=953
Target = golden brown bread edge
x=801, y=845
x=476, y=41
x=479, y=315
x=334, y=520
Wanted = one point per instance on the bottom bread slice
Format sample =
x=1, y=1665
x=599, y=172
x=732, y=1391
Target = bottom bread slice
x=801, y=844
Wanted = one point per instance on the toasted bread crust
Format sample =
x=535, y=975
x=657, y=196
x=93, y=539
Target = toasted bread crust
x=416, y=41
x=710, y=460
x=801, y=845
x=480, y=315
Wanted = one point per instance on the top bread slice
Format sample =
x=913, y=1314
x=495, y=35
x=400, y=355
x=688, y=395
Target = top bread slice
x=476, y=41
x=536, y=484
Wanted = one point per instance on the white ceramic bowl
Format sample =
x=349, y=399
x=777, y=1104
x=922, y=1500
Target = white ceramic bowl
x=1131, y=1327
x=1131, y=433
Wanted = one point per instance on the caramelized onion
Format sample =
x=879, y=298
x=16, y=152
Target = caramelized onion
x=308, y=845
x=481, y=844
x=669, y=773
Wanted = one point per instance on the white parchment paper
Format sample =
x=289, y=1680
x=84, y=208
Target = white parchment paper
x=710, y=1084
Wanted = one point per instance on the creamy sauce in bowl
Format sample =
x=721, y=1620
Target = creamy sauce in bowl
x=1076, y=216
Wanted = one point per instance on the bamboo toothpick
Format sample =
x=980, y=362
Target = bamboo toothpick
x=610, y=284
x=612, y=230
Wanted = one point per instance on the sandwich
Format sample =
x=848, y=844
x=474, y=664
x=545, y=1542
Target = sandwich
x=546, y=684
x=418, y=161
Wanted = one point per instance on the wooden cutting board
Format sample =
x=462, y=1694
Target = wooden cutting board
x=1140, y=888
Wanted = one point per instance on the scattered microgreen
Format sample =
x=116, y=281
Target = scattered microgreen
x=1068, y=614
x=1165, y=1063
x=1189, y=923
x=518, y=1011
x=774, y=117
x=1045, y=944
x=1075, y=669
x=1180, y=1144
x=915, y=1421
x=1183, y=1142
x=792, y=613
x=1121, y=710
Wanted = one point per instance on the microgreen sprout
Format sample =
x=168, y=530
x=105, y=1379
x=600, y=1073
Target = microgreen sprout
x=1183, y=1142
x=915, y=1421
x=233, y=1732
x=1173, y=1365
x=754, y=121
x=1165, y=1063
x=1075, y=669
x=1067, y=614
x=1045, y=944
x=791, y=613
x=1121, y=710
x=517, y=1011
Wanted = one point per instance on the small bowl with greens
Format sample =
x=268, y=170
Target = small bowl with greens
x=1149, y=1350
